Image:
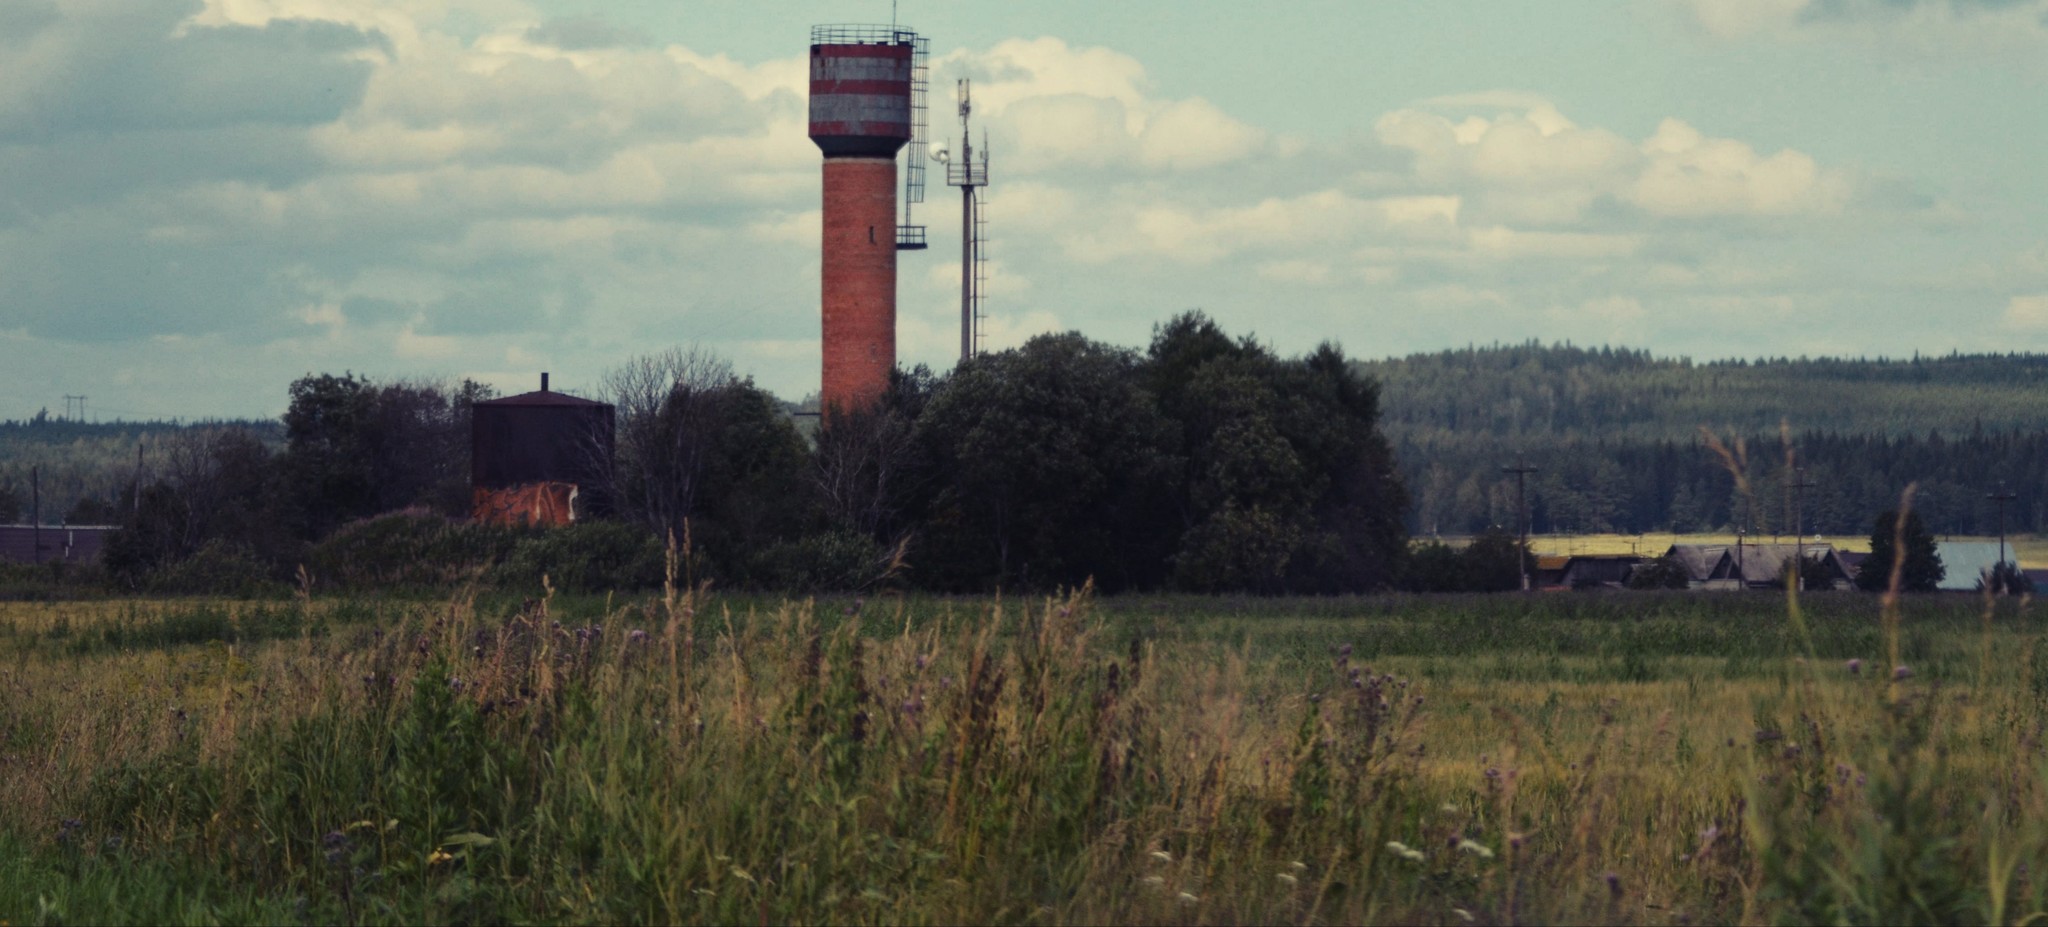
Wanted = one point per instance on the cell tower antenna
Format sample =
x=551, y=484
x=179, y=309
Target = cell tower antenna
x=970, y=174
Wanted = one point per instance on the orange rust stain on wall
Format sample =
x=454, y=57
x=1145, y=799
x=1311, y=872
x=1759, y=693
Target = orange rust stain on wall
x=548, y=504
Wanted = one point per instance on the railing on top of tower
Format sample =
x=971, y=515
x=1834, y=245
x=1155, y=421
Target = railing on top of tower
x=909, y=235
x=860, y=34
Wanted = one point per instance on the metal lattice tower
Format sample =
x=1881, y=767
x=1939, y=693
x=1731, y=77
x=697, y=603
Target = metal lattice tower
x=970, y=173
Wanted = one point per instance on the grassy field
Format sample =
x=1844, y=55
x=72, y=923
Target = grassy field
x=1661, y=758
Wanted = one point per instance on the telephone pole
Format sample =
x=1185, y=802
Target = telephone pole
x=2002, y=496
x=1799, y=488
x=1521, y=470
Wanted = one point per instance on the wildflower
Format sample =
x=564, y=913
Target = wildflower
x=637, y=636
x=1475, y=848
x=921, y=661
x=1344, y=651
x=1902, y=672
x=1613, y=883
x=1855, y=667
x=439, y=856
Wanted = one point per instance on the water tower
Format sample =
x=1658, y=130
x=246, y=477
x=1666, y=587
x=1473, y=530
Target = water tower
x=867, y=103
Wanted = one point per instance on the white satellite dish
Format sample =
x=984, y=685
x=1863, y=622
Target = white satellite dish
x=940, y=154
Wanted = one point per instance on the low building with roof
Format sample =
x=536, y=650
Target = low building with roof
x=1754, y=566
x=53, y=543
x=540, y=458
x=1594, y=571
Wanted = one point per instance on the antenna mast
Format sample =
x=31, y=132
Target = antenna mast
x=970, y=174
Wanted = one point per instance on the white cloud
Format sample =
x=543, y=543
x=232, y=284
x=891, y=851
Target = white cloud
x=1734, y=18
x=1531, y=164
x=1690, y=175
x=1501, y=241
x=1056, y=106
x=2029, y=312
x=1932, y=28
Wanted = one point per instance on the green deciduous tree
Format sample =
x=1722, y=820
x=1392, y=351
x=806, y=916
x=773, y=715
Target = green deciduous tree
x=1053, y=467
x=355, y=448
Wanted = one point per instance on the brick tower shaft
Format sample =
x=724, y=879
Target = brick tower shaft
x=859, y=280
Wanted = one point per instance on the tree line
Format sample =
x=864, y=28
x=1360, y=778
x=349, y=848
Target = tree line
x=1203, y=462
x=1627, y=442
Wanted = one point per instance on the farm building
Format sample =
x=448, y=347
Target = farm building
x=1752, y=566
x=61, y=543
x=540, y=458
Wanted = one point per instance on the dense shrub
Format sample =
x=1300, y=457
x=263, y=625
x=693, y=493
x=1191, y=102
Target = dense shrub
x=412, y=548
x=218, y=568
x=586, y=557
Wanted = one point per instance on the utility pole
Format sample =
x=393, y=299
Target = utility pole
x=1521, y=470
x=35, y=514
x=2002, y=496
x=1799, y=488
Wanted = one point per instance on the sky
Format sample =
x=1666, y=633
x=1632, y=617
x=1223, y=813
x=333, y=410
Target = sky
x=203, y=200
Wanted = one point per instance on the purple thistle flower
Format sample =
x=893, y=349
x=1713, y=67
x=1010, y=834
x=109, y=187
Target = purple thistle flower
x=1855, y=667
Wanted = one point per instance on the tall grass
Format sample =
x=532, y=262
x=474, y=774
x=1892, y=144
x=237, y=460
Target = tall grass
x=1571, y=758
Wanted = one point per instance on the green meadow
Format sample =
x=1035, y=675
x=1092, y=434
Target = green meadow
x=694, y=757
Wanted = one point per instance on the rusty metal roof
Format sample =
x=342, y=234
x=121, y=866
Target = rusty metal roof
x=543, y=397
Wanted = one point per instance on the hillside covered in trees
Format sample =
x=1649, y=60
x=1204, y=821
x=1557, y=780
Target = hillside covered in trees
x=1621, y=439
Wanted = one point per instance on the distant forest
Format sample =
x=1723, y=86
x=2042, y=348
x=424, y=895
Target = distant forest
x=1619, y=438
x=1616, y=435
x=84, y=466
